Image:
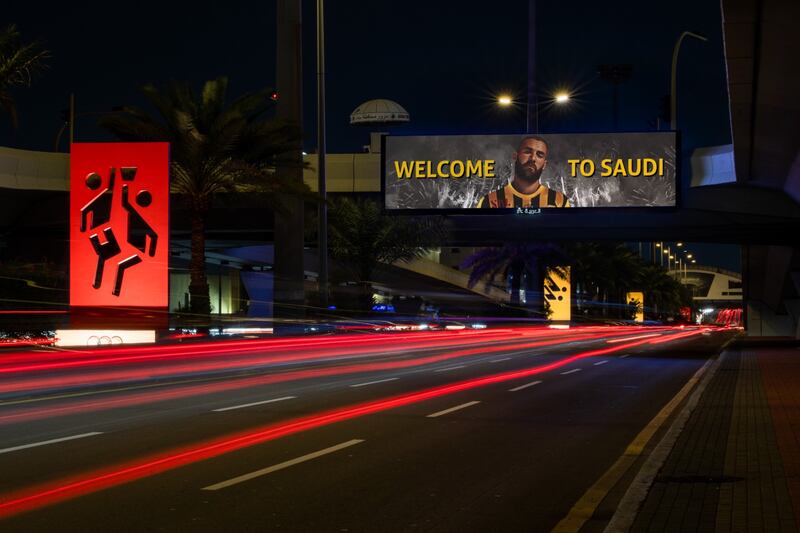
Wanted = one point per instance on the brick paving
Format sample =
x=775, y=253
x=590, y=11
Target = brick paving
x=780, y=369
x=736, y=464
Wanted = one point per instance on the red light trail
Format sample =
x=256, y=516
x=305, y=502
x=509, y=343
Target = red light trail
x=35, y=497
x=156, y=396
x=183, y=364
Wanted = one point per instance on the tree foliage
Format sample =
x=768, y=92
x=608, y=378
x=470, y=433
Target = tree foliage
x=516, y=261
x=19, y=64
x=215, y=147
x=601, y=275
x=362, y=236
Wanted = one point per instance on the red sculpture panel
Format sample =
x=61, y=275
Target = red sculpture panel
x=119, y=224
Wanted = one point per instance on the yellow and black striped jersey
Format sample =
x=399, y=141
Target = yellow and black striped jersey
x=508, y=197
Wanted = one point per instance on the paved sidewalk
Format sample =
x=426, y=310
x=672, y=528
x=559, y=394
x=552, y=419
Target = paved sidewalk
x=736, y=464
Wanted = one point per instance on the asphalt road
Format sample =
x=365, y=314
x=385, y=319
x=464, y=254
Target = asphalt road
x=401, y=437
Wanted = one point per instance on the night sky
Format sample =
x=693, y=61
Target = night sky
x=444, y=61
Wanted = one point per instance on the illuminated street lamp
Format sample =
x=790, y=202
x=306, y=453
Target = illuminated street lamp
x=561, y=97
x=506, y=100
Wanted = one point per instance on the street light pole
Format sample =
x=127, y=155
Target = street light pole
x=616, y=75
x=673, y=80
x=535, y=115
x=71, y=120
x=532, y=89
x=322, y=185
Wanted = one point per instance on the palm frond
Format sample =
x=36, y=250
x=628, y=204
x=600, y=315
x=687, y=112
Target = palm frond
x=19, y=65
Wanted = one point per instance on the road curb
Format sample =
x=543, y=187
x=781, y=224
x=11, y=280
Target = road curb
x=640, y=486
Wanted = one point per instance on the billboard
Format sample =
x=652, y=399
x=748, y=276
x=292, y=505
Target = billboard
x=527, y=173
x=119, y=224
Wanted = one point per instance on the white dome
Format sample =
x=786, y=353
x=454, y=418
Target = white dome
x=379, y=112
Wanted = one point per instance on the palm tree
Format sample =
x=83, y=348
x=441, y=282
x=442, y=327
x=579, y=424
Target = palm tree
x=591, y=271
x=605, y=272
x=362, y=238
x=662, y=292
x=214, y=148
x=514, y=262
x=19, y=63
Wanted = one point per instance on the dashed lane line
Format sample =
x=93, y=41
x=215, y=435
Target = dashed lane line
x=281, y=466
x=51, y=441
x=571, y=371
x=450, y=368
x=601, y=362
x=456, y=408
x=373, y=382
x=253, y=404
x=612, y=341
x=500, y=360
x=531, y=384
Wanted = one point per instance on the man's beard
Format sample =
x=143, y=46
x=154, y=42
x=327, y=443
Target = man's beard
x=526, y=173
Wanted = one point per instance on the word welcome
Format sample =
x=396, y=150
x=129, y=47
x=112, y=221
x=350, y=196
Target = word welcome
x=481, y=168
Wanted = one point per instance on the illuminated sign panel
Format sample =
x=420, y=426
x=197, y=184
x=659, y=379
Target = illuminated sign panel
x=107, y=337
x=119, y=224
x=529, y=173
x=558, y=294
x=636, y=301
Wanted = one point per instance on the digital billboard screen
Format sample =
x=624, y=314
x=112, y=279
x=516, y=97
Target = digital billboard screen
x=529, y=172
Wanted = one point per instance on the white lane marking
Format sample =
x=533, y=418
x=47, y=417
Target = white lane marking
x=51, y=441
x=373, y=382
x=571, y=371
x=500, y=360
x=612, y=341
x=531, y=384
x=601, y=362
x=252, y=404
x=450, y=368
x=624, y=356
x=456, y=408
x=281, y=466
